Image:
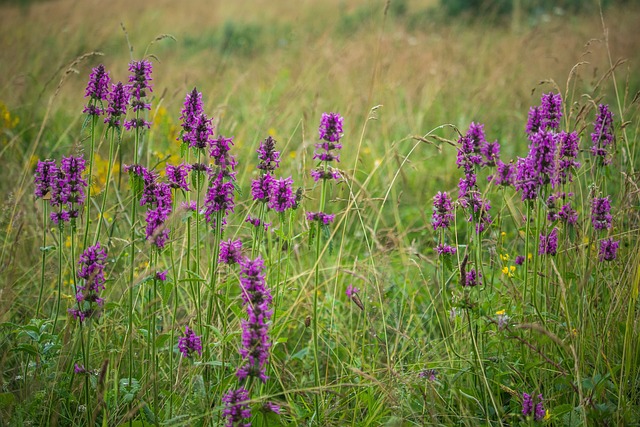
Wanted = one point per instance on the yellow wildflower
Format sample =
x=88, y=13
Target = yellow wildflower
x=500, y=312
x=504, y=257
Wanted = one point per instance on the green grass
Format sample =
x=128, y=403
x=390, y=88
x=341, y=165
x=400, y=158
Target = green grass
x=405, y=91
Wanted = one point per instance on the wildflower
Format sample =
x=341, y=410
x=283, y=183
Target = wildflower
x=45, y=176
x=479, y=211
x=608, y=249
x=549, y=243
x=330, y=132
x=542, y=152
x=322, y=217
x=505, y=174
x=281, y=195
x=139, y=78
x=442, y=211
x=261, y=188
x=177, y=176
x=601, y=213
x=271, y=407
x=567, y=153
x=230, y=251
x=330, y=127
x=220, y=148
x=320, y=173
x=603, y=133
x=190, y=113
x=268, y=156
x=200, y=134
x=430, y=374
x=96, y=90
x=190, y=343
x=508, y=271
x=236, y=410
x=470, y=151
x=257, y=223
x=162, y=275
x=443, y=249
x=219, y=198
x=256, y=298
x=491, y=153
x=189, y=206
x=91, y=269
x=547, y=116
x=118, y=103
x=472, y=278
x=519, y=260
x=528, y=409
x=568, y=214
x=526, y=180
x=351, y=291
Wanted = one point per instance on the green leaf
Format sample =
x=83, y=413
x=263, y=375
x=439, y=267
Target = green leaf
x=46, y=249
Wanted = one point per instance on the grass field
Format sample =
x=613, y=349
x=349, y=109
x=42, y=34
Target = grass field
x=400, y=286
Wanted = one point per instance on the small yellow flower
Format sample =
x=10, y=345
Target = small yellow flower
x=366, y=150
x=67, y=243
x=547, y=415
x=508, y=271
x=272, y=133
x=530, y=256
x=292, y=154
x=500, y=312
x=504, y=257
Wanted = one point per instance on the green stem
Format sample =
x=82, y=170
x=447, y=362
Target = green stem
x=94, y=119
x=44, y=256
x=106, y=187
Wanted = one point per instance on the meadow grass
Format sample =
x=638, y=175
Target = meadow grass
x=365, y=323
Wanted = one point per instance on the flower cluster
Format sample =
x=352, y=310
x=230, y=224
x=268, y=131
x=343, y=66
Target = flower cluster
x=429, y=374
x=119, y=98
x=442, y=211
x=97, y=90
x=230, y=252
x=236, y=409
x=91, y=269
x=528, y=407
x=256, y=299
x=140, y=79
x=601, y=213
x=219, y=200
x=190, y=116
x=268, y=155
x=321, y=217
x=602, y=136
x=547, y=116
x=177, y=176
x=63, y=184
x=157, y=197
x=281, y=195
x=548, y=243
x=608, y=249
x=189, y=343
x=256, y=222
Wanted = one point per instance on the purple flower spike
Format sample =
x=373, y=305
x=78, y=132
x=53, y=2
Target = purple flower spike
x=442, y=211
x=118, y=102
x=472, y=278
x=330, y=132
x=97, y=90
x=527, y=404
x=491, y=153
x=220, y=148
x=261, y=188
x=140, y=79
x=281, y=195
x=330, y=127
x=601, y=213
x=230, y=252
x=551, y=109
x=351, y=291
x=45, y=177
x=219, y=198
x=200, y=133
x=268, y=156
x=236, y=409
x=519, y=260
x=443, y=249
x=505, y=174
x=602, y=136
x=608, y=249
x=319, y=173
x=549, y=243
x=177, y=176
x=256, y=298
x=429, y=374
x=91, y=268
x=326, y=219
x=191, y=111
x=568, y=152
x=190, y=343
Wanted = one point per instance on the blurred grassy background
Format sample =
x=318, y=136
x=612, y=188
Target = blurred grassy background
x=267, y=67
